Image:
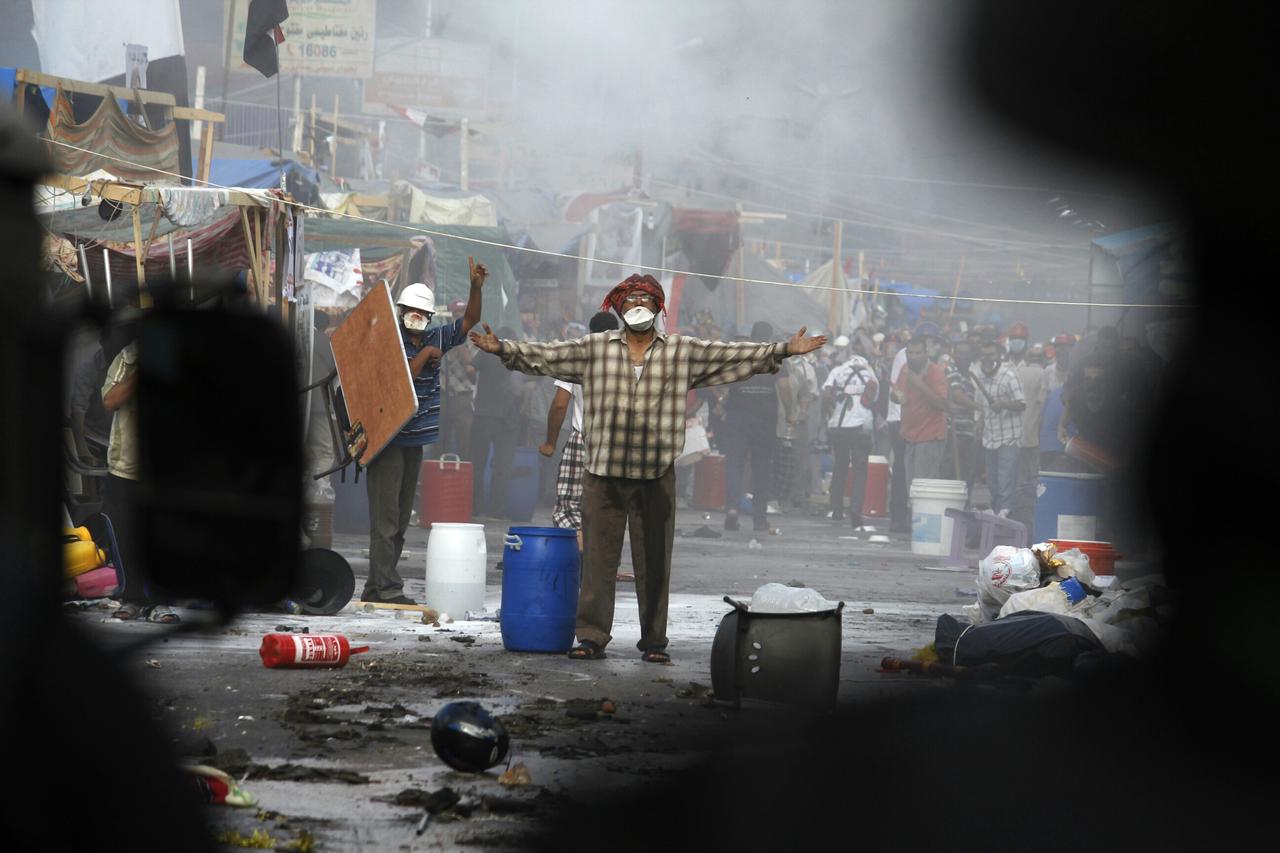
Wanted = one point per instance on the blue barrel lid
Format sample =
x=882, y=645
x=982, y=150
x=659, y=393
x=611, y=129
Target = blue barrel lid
x=544, y=531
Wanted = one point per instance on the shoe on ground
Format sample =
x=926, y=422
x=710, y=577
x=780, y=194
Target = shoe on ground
x=834, y=516
x=395, y=599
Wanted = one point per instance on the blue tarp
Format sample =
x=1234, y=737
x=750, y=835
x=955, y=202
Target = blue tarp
x=262, y=174
x=1143, y=257
x=9, y=81
x=913, y=298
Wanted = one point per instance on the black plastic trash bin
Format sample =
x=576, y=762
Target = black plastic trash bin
x=792, y=658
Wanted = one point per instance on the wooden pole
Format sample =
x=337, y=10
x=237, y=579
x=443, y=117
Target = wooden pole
x=333, y=145
x=297, y=113
x=740, y=295
x=956, y=290
x=144, y=299
x=464, y=154
x=834, y=318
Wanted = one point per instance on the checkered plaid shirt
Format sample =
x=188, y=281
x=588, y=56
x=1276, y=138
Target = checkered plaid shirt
x=1000, y=429
x=634, y=428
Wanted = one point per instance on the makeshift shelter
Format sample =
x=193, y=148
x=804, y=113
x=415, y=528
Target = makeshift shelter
x=397, y=254
x=132, y=150
x=1141, y=266
x=450, y=271
x=785, y=306
x=301, y=182
x=152, y=232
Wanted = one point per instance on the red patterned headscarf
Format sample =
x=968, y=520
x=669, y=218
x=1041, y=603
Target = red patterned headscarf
x=645, y=283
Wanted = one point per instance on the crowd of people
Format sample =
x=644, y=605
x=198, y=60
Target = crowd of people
x=986, y=406
x=979, y=405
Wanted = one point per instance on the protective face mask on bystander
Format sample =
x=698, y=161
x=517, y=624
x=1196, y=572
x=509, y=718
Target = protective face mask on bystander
x=415, y=322
x=638, y=319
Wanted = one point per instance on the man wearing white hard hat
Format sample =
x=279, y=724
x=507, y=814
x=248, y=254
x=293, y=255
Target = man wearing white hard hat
x=393, y=474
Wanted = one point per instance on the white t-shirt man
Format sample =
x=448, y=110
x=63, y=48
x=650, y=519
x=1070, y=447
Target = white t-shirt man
x=848, y=383
x=894, y=415
x=576, y=390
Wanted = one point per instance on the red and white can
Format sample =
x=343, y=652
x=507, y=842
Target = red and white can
x=306, y=651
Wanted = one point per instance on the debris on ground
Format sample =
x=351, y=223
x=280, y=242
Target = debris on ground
x=705, y=532
x=517, y=774
x=304, y=773
x=694, y=691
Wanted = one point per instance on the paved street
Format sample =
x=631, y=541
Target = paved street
x=371, y=718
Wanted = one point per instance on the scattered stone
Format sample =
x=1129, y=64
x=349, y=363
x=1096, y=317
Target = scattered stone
x=868, y=610
x=465, y=640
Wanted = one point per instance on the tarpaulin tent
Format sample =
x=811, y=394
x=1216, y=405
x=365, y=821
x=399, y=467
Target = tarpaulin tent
x=1141, y=266
x=912, y=298
x=786, y=308
x=451, y=271
x=387, y=250
x=218, y=244
x=301, y=182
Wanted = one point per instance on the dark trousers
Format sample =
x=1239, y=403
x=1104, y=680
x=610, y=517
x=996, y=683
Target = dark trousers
x=493, y=442
x=899, y=500
x=760, y=448
x=849, y=446
x=611, y=505
x=392, y=482
x=119, y=503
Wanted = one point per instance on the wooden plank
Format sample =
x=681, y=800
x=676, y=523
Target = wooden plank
x=374, y=371
x=144, y=299
x=80, y=87
x=206, y=156
x=196, y=114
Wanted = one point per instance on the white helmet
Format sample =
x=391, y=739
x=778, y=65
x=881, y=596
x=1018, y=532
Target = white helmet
x=841, y=341
x=418, y=295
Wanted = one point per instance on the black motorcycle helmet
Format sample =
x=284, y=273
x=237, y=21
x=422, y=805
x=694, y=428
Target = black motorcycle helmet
x=468, y=738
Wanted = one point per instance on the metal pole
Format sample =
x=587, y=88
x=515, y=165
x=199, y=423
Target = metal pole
x=84, y=265
x=106, y=265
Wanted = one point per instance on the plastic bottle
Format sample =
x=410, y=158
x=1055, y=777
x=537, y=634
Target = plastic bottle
x=307, y=651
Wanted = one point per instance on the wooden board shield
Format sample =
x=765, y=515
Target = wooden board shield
x=374, y=371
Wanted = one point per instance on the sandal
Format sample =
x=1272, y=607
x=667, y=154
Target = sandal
x=127, y=611
x=655, y=656
x=163, y=615
x=587, y=650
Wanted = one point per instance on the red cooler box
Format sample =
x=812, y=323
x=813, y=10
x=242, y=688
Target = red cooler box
x=876, y=501
x=446, y=491
x=708, y=482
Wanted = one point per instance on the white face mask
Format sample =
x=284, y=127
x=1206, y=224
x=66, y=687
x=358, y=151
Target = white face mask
x=639, y=318
x=415, y=322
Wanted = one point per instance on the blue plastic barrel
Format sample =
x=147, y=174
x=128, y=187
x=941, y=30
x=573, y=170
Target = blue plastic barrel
x=540, y=568
x=350, y=503
x=1067, y=506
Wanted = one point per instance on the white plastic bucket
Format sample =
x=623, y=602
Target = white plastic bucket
x=456, y=556
x=930, y=526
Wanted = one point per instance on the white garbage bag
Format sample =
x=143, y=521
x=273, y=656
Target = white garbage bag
x=1009, y=568
x=780, y=598
x=1077, y=566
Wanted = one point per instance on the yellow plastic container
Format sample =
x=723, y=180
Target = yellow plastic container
x=79, y=553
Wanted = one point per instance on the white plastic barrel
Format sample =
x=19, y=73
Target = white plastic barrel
x=456, y=556
x=930, y=526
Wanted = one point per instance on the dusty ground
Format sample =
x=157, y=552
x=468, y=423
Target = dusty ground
x=343, y=757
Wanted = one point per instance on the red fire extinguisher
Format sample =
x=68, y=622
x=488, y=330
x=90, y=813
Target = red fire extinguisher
x=305, y=651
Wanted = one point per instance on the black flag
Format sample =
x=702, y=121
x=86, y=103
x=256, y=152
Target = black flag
x=262, y=34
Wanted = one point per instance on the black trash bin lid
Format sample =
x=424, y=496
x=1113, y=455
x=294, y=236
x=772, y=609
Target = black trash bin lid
x=325, y=582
